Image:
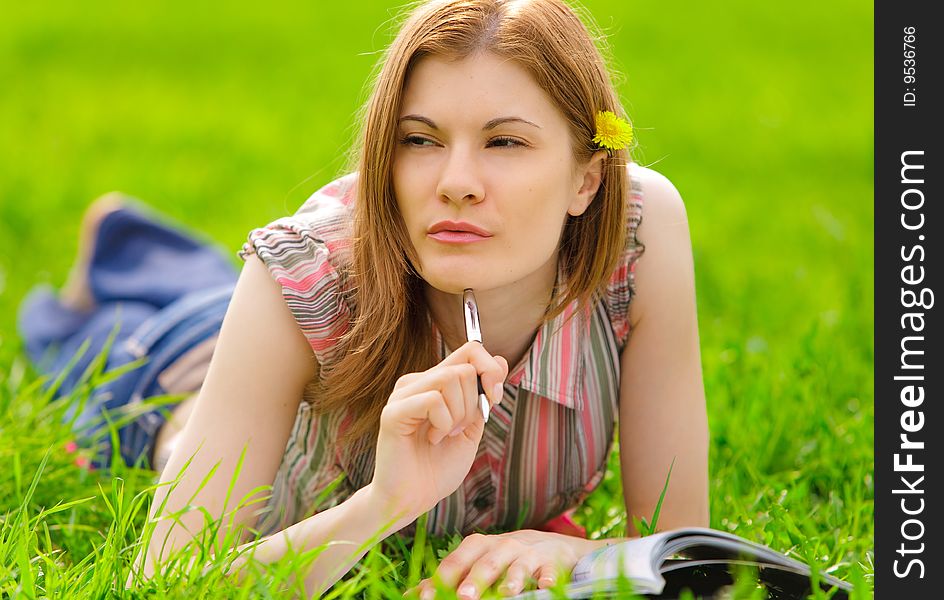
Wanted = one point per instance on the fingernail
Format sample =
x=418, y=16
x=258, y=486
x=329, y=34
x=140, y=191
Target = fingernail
x=467, y=591
x=455, y=432
x=498, y=392
x=427, y=594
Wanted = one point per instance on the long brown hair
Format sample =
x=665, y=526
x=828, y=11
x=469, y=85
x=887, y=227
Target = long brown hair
x=390, y=334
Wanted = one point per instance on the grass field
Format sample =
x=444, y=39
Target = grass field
x=226, y=116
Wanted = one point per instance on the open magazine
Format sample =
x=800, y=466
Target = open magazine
x=702, y=560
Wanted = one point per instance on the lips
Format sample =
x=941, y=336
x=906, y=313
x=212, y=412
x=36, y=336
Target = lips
x=458, y=237
x=458, y=226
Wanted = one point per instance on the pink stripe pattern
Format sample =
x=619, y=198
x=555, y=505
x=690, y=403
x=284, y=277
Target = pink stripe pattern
x=545, y=447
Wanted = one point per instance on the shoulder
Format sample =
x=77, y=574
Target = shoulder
x=308, y=254
x=652, y=203
x=333, y=203
x=322, y=225
x=663, y=202
x=664, y=232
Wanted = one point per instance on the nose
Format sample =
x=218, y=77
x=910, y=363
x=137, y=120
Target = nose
x=459, y=180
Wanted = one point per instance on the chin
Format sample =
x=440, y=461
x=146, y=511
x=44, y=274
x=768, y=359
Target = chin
x=452, y=281
x=449, y=287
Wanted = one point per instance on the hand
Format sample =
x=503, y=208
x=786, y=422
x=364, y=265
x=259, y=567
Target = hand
x=417, y=462
x=520, y=556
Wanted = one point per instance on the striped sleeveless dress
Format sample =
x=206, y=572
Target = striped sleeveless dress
x=545, y=447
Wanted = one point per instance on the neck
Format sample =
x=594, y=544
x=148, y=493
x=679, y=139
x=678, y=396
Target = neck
x=509, y=315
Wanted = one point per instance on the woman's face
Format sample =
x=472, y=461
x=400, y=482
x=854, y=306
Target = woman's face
x=458, y=159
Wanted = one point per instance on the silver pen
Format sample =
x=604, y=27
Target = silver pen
x=473, y=332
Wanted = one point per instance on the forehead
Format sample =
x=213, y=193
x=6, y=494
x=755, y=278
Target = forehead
x=478, y=87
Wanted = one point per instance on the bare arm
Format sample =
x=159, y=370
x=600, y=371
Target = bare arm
x=352, y=527
x=249, y=399
x=662, y=396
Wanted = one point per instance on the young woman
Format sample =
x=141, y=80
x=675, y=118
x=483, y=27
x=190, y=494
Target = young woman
x=341, y=353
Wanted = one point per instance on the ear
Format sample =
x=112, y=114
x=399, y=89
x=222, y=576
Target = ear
x=589, y=178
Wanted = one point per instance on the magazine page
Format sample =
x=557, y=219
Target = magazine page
x=644, y=560
x=598, y=569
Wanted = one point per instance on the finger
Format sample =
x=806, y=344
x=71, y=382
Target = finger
x=547, y=576
x=470, y=396
x=456, y=566
x=504, y=366
x=414, y=383
x=406, y=379
x=455, y=382
x=493, y=381
x=408, y=415
x=448, y=381
x=517, y=576
x=488, y=368
x=419, y=590
x=462, y=392
x=428, y=592
x=488, y=569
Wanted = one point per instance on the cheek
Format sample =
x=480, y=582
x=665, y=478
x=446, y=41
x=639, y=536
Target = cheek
x=402, y=193
x=533, y=233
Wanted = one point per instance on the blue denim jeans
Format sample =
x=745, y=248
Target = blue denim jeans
x=161, y=291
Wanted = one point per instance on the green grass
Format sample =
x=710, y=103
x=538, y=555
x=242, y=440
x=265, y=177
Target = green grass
x=226, y=117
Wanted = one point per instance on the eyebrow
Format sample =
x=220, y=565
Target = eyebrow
x=490, y=125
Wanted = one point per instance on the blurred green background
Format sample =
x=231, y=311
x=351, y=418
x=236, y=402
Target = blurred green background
x=226, y=116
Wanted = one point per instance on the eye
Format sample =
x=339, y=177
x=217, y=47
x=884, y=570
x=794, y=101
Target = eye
x=410, y=139
x=500, y=142
x=511, y=142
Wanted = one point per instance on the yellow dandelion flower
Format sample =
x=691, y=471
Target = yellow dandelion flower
x=612, y=132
